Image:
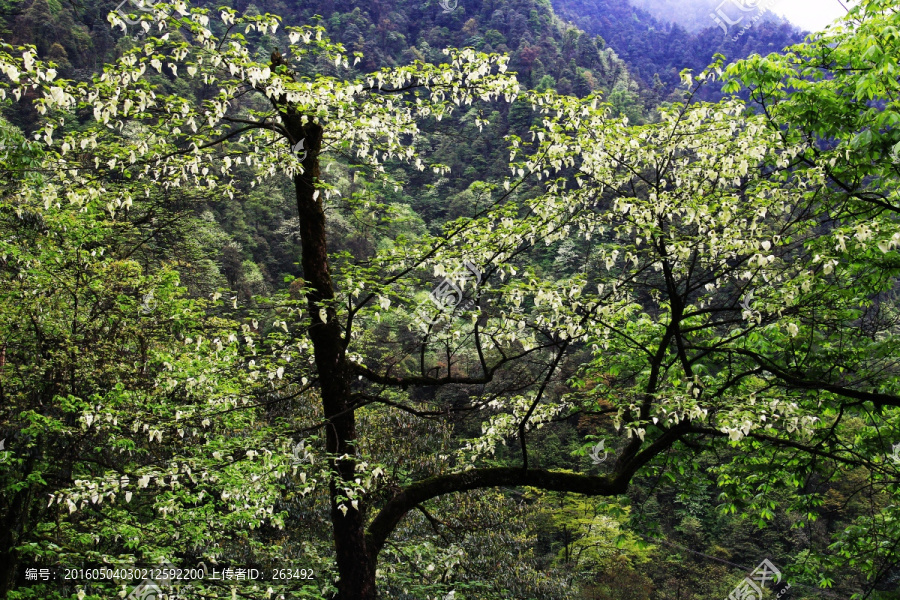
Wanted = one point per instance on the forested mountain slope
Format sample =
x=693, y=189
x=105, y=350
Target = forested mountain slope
x=696, y=15
x=76, y=35
x=655, y=48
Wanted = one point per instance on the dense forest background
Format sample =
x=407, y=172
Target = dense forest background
x=666, y=539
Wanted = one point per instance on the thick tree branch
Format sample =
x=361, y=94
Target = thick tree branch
x=419, y=492
x=797, y=381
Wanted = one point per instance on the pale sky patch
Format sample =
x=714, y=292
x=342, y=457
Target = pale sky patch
x=811, y=15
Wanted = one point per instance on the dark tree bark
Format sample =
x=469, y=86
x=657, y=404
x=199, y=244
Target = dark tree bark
x=357, y=572
x=414, y=494
x=11, y=529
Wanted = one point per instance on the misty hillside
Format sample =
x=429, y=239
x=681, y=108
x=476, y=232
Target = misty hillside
x=695, y=15
x=656, y=50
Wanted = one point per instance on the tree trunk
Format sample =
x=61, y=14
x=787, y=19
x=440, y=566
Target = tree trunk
x=11, y=529
x=355, y=568
x=12, y=525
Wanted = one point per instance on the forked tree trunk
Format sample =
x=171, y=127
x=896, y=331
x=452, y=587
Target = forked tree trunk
x=356, y=570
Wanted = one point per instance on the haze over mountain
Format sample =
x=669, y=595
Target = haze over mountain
x=656, y=49
x=695, y=15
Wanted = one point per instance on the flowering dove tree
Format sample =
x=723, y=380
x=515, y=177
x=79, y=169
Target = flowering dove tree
x=717, y=295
